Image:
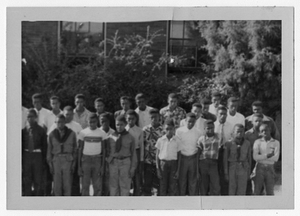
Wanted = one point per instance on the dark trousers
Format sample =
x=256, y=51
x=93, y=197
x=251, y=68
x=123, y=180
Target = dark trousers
x=91, y=166
x=265, y=176
x=105, y=191
x=223, y=183
x=210, y=183
x=150, y=179
x=249, y=190
x=168, y=186
x=137, y=176
x=75, y=191
x=32, y=173
x=48, y=180
x=188, y=175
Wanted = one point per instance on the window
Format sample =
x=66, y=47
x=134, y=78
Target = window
x=185, y=40
x=82, y=38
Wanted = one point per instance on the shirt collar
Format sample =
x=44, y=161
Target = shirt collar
x=164, y=137
x=84, y=112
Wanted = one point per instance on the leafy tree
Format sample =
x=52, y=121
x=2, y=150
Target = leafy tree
x=246, y=60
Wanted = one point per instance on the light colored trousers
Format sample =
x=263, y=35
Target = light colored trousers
x=62, y=179
x=238, y=176
x=119, y=180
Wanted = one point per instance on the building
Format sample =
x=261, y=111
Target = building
x=82, y=39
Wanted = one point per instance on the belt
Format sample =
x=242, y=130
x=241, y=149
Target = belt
x=121, y=158
x=190, y=156
x=168, y=160
x=98, y=155
x=35, y=150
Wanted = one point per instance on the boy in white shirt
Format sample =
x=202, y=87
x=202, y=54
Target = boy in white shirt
x=142, y=110
x=91, y=157
x=168, y=159
x=234, y=117
x=189, y=171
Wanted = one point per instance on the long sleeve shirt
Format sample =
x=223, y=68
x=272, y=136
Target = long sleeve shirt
x=261, y=148
x=224, y=131
x=138, y=136
x=39, y=138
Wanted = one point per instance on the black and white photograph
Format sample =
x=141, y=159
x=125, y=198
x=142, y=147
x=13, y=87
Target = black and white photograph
x=190, y=107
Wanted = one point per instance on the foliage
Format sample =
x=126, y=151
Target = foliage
x=246, y=59
x=127, y=69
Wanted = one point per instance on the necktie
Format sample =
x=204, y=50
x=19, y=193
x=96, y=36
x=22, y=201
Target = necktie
x=119, y=140
x=30, y=140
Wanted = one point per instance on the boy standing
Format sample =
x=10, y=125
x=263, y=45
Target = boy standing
x=137, y=133
x=42, y=113
x=266, y=153
x=215, y=100
x=122, y=159
x=257, y=107
x=142, y=110
x=168, y=159
x=50, y=119
x=189, y=171
x=199, y=124
x=81, y=114
x=152, y=132
x=125, y=102
x=237, y=161
x=104, y=125
x=24, y=116
x=208, y=161
x=173, y=111
x=34, y=148
x=224, y=131
x=252, y=135
x=234, y=117
x=205, y=113
x=61, y=156
x=91, y=158
x=100, y=109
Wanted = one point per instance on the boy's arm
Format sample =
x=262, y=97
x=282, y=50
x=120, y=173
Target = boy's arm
x=276, y=153
x=141, y=140
x=80, y=150
x=103, y=147
x=133, y=156
x=225, y=159
x=158, y=168
x=49, y=155
x=74, y=153
x=178, y=163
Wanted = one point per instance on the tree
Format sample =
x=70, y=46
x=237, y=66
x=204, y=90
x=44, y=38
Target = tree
x=247, y=58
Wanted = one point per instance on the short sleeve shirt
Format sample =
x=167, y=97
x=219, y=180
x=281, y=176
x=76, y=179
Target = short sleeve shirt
x=92, y=140
x=209, y=147
x=168, y=149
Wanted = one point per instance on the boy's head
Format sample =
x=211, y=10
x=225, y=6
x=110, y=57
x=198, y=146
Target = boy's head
x=60, y=121
x=197, y=109
x=265, y=131
x=79, y=101
x=169, y=127
x=257, y=120
x=68, y=113
x=154, y=116
x=173, y=100
x=31, y=116
x=140, y=100
x=104, y=120
x=55, y=102
x=92, y=121
x=125, y=102
x=209, y=128
x=37, y=100
x=99, y=105
x=232, y=104
x=257, y=107
x=216, y=99
x=131, y=118
x=238, y=131
x=120, y=123
x=222, y=114
x=190, y=120
x=205, y=105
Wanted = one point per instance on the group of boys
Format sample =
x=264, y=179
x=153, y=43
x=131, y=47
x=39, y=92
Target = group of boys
x=213, y=150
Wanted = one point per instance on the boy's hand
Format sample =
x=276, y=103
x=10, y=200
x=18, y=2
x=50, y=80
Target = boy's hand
x=176, y=175
x=51, y=169
x=131, y=173
x=270, y=154
x=226, y=177
x=159, y=174
x=80, y=172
